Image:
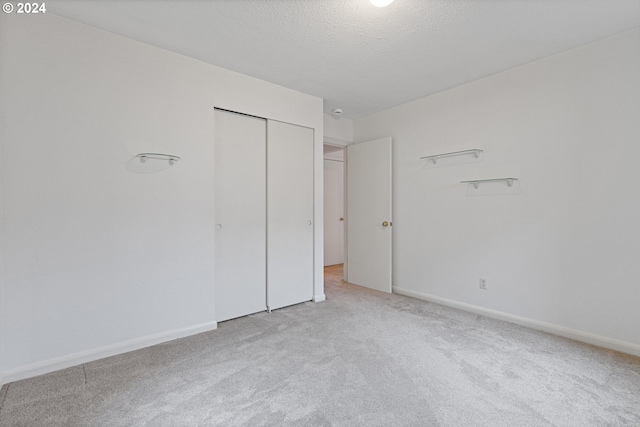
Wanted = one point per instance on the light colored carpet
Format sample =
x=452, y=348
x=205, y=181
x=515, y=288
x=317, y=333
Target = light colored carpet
x=362, y=358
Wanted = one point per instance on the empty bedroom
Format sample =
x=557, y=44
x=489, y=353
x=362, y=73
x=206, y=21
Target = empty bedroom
x=320, y=213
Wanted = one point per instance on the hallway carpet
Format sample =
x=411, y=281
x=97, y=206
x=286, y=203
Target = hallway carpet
x=361, y=358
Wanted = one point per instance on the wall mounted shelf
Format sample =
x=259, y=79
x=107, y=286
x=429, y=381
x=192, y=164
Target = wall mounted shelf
x=475, y=152
x=476, y=182
x=158, y=156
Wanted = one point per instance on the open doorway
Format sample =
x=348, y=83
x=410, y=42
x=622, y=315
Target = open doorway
x=334, y=172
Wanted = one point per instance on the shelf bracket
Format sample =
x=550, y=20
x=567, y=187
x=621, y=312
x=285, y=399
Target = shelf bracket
x=158, y=156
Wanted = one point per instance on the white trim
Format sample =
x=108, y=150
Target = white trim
x=336, y=142
x=74, y=359
x=598, y=340
x=319, y=298
x=335, y=158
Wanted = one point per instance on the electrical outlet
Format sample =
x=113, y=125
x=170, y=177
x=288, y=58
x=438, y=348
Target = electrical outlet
x=483, y=283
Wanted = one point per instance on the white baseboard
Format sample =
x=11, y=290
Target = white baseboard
x=598, y=340
x=319, y=297
x=74, y=359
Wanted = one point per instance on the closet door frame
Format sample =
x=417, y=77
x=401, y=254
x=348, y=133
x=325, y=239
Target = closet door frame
x=284, y=292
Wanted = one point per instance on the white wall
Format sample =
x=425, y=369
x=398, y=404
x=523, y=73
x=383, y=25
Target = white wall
x=337, y=131
x=97, y=259
x=560, y=250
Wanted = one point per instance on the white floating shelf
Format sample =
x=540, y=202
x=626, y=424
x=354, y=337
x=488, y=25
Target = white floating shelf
x=476, y=182
x=475, y=152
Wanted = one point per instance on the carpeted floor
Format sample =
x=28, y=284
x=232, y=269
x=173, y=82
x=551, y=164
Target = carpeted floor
x=362, y=358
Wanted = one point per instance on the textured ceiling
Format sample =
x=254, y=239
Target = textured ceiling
x=355, y=56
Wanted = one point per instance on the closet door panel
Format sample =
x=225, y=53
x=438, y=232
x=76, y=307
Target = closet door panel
x=240, y=215
x=289, y=214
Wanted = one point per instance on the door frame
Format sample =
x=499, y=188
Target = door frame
x=334, y=142
x=342, y=148
x=318, y=140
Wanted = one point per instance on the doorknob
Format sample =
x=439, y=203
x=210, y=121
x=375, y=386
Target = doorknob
x=218, y=226
x=341, y=219
x=385, y=224
x=309, y=222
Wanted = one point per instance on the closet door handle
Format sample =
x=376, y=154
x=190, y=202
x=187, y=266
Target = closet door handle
x=309, y=222
x=218, y=226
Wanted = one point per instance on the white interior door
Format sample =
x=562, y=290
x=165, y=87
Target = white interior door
x=369, y=214
x=289, y=214
x=333, y=212
x=240, y=215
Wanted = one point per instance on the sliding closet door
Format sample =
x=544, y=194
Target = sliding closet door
x=240, y=215
x=289, y=214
